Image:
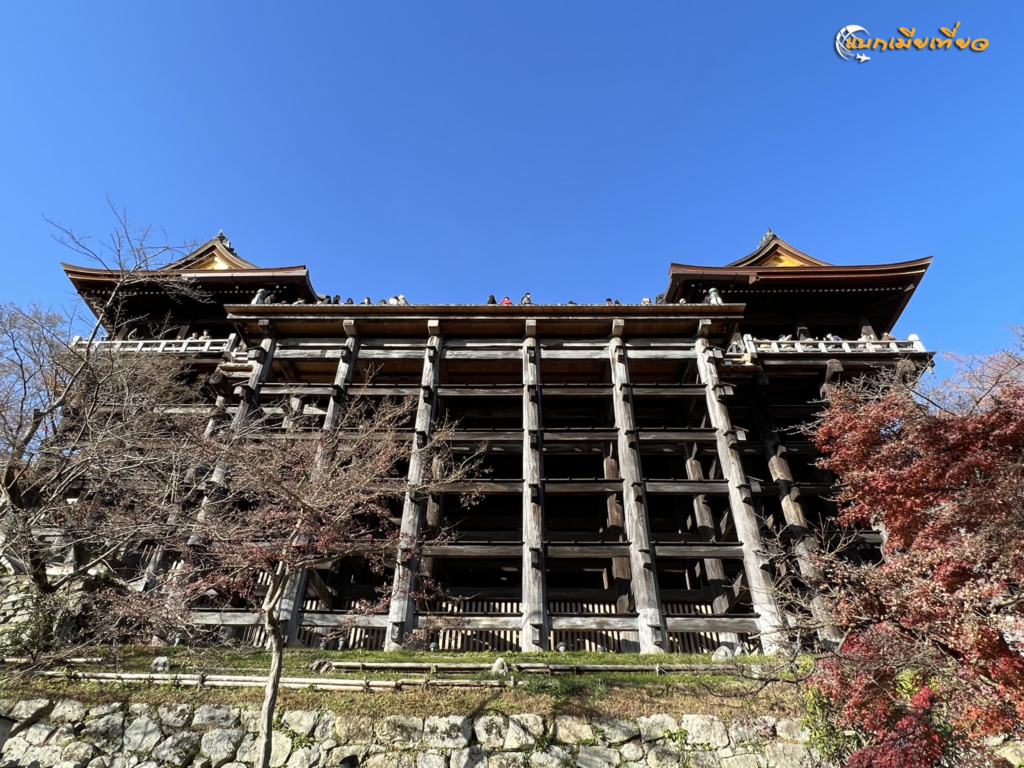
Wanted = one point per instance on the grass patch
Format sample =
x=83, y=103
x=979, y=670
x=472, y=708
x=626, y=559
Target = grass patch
x=608, y=693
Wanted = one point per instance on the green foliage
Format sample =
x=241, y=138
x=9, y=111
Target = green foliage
x=832, y=743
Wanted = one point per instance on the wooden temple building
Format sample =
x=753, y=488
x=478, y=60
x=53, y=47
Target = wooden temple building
x=644, y=462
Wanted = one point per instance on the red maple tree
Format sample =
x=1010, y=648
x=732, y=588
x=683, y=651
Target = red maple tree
x=931, y=663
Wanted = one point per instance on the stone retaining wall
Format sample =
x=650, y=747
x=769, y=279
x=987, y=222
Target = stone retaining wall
x=40, y=733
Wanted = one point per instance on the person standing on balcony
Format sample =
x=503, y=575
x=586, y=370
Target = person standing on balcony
x=506, y=302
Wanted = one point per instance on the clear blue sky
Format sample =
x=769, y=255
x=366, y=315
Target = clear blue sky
x=447, y=150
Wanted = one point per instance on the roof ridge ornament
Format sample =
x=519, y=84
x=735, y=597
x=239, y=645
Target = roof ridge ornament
x=227, y=243
x=768, y=237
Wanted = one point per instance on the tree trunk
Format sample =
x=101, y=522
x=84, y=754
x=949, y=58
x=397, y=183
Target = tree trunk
x=275, y=640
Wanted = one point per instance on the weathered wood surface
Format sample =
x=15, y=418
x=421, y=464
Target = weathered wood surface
x=744, y=518
x=534, y=624
x=400, y=614
x=649, y=624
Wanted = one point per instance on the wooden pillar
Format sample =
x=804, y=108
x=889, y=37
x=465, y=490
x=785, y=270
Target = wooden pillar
x=535, y=628
x=804, y=543
x=715, y=571
x=650, y=625
x=342, y=378
x=290, y=607
x=402, y=611
x=755, y=555
x=262, y=358
x=222, y=400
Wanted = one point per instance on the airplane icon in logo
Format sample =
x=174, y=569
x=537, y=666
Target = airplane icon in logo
x=861, y=58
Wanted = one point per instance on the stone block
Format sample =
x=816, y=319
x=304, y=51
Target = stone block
x=491, y=731
x=654, y=727
x=705, y=729
x=340, y=754
x=280, y=749
x=305, y=757
x=631, y=751
x=390, y=760
x=447, y=732
x=31, y=710
x=615, y=730
x=178, y=750
x=38, y=733
x=473, y=757
x=758, y=730
x=210, y=716
x=68, y=711
x=105, y=732
x=78, y=752
x=598, y=757
x=742, y=761
x=786, y=755
x=552, y=757
x=142, y=735
x=63, y=736
x=1012, y=752
x=14, y=749
x=431, y=760
x=250, y=717
x=324, y=727
x=792, y=730
x=301, y=721
x=353, y=729
x=508, y=760
x=44, y=757
x=174, y=716
x=221, y=745
x=102, y=710
x=664, y=756
x=400, y=731
x=569, y=729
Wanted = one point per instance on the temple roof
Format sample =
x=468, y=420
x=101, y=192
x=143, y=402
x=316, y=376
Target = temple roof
x=196, y=286
x=778, y=279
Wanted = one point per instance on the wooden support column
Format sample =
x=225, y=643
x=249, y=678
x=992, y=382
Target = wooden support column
x=629, y=642
x=650, y=624
x=342, y=377
x=222, y=399
x=402, y=610
x=715, y=571
x=804, y=543
x=535, y=626
x=290, y=607
x=262, y=357
x=755, y=555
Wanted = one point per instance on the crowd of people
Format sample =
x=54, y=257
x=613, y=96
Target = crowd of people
x=262, y=296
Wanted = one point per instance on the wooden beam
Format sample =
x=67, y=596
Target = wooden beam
x=478, y=623
x=342, y=382
x=731, y=624
x=755, y=556
x=650, y=627
x=701, y=551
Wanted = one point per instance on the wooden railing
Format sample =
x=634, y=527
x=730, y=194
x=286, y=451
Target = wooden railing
x=165, y=346
x=755, y=347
